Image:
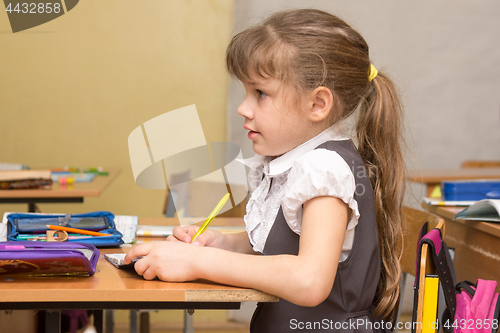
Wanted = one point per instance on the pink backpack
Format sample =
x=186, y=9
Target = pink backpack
x=477, y=307
x=471, y=308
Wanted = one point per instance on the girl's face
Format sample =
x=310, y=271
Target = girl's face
x=275, y=123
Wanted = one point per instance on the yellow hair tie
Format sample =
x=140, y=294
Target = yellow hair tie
x=373, y=73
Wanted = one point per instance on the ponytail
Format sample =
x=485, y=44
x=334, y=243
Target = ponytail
x=379, y=137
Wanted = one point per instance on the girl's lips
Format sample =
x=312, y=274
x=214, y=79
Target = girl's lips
x=253, y=135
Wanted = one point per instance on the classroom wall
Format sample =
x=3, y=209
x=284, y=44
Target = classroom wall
x=72, y=90
x=444, y=57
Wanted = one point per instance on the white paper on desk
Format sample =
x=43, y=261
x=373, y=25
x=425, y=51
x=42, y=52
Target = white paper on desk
x=165, y=231
x=441, y=202
x=127, y=225
x=3, y=227
x=4, y=219
x=3, y=232
x=154, y=230
x=197, y=174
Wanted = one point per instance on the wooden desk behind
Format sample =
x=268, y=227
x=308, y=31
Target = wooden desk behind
x=434, y=177
x=477, y=245
x=57, y=193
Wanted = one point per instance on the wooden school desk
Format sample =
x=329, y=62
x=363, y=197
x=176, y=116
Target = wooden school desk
x=60, y=194
x=112, y=288
x=477, y=245
x=433, y=177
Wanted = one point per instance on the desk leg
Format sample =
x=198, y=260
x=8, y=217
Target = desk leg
x=98, y=320
x=32, y=207
x=133, y=321
x=52, y=321
x=144, y=327
x=188, y=321
x=110, y=321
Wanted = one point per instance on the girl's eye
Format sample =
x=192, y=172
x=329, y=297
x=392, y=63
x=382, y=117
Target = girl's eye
x=261, y=94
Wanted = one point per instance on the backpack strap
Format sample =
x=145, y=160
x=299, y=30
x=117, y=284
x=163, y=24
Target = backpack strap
x=448, y=315
x=416, y=285
x=444, y=266
x=467, y=286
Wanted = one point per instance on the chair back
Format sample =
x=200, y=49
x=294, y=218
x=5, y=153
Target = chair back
x=414, y=219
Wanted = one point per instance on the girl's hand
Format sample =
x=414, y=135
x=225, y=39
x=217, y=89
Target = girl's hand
x=209, y=237
x=169, y=261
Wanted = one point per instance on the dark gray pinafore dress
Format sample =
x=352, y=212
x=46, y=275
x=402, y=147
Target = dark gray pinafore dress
x=349, y=307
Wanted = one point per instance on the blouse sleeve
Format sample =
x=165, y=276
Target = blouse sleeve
x=320, y=172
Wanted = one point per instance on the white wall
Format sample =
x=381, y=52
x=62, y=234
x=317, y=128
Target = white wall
x=443, y=55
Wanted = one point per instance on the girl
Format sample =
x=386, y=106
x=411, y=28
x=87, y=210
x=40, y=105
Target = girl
x=325, y=216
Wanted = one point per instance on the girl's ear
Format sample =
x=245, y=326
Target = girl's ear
x=320, y=104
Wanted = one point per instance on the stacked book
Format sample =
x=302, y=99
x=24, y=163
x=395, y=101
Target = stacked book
x=24, y=179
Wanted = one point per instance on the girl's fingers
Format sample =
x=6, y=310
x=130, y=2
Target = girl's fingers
x=148, y=274
x=185, y=233
x=168, y=261
x=201, y=240
x=172, y=238
x=141, y=266
x=137, y=251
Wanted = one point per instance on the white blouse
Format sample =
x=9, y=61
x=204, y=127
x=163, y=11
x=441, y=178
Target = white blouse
x=292, y=179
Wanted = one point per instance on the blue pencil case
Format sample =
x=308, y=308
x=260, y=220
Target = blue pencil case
x=470, y=190
x=22, y=227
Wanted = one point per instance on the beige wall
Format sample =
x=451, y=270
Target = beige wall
x=72, y=90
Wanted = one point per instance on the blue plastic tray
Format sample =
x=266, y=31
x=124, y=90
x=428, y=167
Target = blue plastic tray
x=471, y=190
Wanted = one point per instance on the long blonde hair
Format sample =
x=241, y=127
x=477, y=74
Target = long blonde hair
x=309, y=48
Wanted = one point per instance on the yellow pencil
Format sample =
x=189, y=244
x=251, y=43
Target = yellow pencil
x=76, y=231
x=216, y=210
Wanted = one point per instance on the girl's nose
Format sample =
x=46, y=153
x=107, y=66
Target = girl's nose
x=245, y=109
